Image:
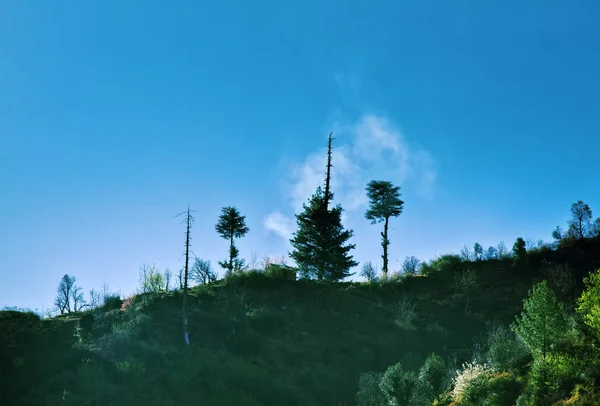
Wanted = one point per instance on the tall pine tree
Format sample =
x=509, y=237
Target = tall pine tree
x=321, y=248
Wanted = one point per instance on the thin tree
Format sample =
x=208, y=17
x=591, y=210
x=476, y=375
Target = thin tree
x=465, y=281
x=465, y=254
x=231, y=225
x=189, y=220
x=478, y=251
x=368, y=272
x=501, y=250
x=580, y=222
x=168, y=276
x=384, y=202
x=328, y=195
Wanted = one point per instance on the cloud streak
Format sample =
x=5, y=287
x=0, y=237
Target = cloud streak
x=375, y=149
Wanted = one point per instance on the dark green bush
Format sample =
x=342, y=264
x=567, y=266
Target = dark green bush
x=369, y=393
x=277, y=271
x=434, y=373
x=504, y=351
x=398, y=385
x=112, y=302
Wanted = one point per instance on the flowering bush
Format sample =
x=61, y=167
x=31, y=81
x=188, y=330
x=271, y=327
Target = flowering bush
x=470, y=371
x=127, y=302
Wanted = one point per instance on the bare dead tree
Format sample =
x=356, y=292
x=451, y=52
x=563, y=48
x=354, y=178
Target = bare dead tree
x=168, y=276
x=201, y=272
x=69, y=297
x=188, y=221
x=95, y=299
x=63, y=294
x=180, y=278
x=77, y=298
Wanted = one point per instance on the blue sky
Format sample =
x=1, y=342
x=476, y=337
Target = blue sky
x=114, y=116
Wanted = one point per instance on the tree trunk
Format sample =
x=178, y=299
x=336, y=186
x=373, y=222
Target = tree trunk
x=385, y=244
x=186, y=335
x=231, y=254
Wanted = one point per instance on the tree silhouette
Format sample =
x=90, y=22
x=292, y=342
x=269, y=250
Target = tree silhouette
x=580, y=222
x=188, y=221
x=231, y=225
x=384, y=202
x=320, y=244
x=202, y=272
x=478, y=251
x=491, y=253
x=410, y=265
x=519, y=253
x=69, y=297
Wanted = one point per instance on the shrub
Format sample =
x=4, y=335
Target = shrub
x=589, y=302
x=369, y=393
x=555, y=377
x=405, y=314
x=277, y=271
x=468, y=373
x=433, y=372
x=497, y=389
x=444, y=263
x=398, y=385
x=504, y=351
x=112, y=302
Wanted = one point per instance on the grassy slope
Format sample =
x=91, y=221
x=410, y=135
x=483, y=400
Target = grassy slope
x=246, y=347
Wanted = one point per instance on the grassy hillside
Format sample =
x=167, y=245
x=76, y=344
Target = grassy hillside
x=258, y=340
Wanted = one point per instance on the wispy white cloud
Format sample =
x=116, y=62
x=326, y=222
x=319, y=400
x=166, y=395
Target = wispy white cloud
x=279, y=224
x=371, y=148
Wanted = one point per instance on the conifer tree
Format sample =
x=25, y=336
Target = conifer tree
x=543, y=320
x=321, y=248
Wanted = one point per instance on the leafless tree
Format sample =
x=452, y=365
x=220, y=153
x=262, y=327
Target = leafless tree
x=77, y=298
x=188, y=221
x=502, y=250
x=69, y=297
x=95, y=299
x=465, y=254
x=168, y=276
x=253, y=263
x=368, y=271
x=180, y=278
x=201, y=272
x=63, y=294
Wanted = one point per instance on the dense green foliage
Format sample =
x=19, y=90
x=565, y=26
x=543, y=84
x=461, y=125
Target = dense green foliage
x=232, y=225
x=321, y=248
x=543, y=321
